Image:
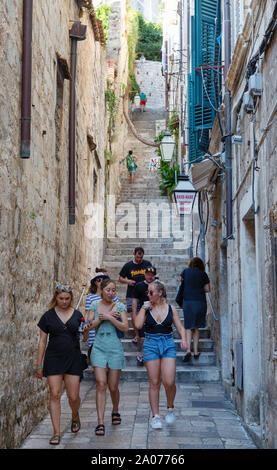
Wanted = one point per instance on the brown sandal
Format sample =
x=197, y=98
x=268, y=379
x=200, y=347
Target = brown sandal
x=75, y=425
x=55, y=440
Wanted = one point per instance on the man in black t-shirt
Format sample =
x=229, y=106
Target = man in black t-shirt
x=140, y=296
x=132, y=273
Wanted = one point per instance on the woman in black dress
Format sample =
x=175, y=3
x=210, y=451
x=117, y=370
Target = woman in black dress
x=196, y=284
x=62, y=356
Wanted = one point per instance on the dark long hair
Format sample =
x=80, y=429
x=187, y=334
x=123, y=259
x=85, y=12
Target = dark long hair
x=196, y=263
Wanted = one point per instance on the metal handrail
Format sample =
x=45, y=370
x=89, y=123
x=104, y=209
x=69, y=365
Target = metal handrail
x=211, y=305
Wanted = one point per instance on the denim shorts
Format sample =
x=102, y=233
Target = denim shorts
x=158, y=346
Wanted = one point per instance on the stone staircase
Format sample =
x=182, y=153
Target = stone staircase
x=162, y=249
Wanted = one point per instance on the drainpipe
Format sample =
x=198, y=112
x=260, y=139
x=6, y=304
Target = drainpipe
x=181, y=105
x=77, y=33
x=166, y=84
x=228, y=141
x=26, y=88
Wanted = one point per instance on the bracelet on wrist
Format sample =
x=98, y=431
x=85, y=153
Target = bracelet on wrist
x=40, y=367
x=145, y=307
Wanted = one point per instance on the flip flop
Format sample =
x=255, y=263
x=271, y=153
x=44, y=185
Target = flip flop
x=100, y=430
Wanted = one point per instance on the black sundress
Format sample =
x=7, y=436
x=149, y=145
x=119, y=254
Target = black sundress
x=63, y=354
x=194, y=303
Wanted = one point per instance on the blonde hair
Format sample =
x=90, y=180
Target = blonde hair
x=159, y=286
x=58, y=291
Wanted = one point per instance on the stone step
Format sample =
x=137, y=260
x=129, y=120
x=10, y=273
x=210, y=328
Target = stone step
x=184, y=374
x=205, y=359
x=167, y=251
x=157, y=259
x=205, y=344
x=125, y=251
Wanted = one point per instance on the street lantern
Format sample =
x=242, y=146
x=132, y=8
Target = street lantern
x=167, y=147
x=184, y=195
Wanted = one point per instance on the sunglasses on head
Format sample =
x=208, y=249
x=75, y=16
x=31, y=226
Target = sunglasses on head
x=62, y=288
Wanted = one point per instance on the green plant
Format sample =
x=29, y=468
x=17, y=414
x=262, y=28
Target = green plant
x=102, y=12
x=111, y=104
x=132, y=39
x=150, y=38
x=168, y=177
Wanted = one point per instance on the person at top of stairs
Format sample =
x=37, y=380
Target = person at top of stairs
x=131, y=273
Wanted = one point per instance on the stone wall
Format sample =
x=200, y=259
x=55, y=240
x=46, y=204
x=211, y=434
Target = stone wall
x=151, y=82
x=245, y=293
x=38, y=246
x=117, y=62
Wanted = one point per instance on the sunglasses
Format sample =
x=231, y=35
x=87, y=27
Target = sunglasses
x=150, y=270
x=150, y=292
x=62, y=288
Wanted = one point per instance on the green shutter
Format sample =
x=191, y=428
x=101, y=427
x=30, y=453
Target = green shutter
x=205, y=84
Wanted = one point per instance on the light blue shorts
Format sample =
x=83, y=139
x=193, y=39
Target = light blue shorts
x=158, y=346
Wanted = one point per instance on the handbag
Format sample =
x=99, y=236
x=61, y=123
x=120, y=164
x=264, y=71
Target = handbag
x=180, y=293
x=84, y=361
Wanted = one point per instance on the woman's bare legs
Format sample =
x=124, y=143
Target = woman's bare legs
x=154, y=373
x=101, y=387
x=55, y=387
x=72, y=386
x=168, y=369
x=189, y=336
x=196, y=335
x=113, y=381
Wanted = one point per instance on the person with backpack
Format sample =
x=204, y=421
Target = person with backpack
x=131, y=165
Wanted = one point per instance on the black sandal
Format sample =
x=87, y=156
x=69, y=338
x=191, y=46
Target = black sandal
x=187, y=357
x=116, y=419
x=100, y=430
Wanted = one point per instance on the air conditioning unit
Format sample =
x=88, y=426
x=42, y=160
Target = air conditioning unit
x=255, y=84
x=248, y=103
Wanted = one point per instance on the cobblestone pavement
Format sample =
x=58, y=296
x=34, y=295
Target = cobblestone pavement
x=206, y=419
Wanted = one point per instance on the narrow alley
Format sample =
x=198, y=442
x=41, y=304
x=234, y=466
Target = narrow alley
x=206, y=419
x=189, y=87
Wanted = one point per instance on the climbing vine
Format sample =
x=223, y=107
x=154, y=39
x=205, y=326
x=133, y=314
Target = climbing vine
x=167, y=172
x=102, y=13
x=111, y=105
x=132, y=39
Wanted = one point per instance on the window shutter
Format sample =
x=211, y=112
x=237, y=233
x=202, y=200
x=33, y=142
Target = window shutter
x=205, y=77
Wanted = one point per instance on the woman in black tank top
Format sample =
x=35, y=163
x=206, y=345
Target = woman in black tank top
x=159, y=350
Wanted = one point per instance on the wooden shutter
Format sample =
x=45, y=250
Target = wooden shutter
x=204, y=78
